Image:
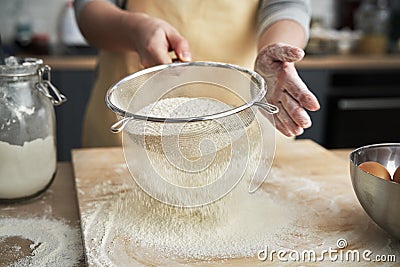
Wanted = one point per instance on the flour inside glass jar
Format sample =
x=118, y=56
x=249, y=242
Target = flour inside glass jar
x=26, y=170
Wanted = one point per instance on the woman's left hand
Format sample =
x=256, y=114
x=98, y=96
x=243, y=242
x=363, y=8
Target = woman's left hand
x=285, y=89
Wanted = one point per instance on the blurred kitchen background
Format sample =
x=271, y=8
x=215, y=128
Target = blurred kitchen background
x=352, y=65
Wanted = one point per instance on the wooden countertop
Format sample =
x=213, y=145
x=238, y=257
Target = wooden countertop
x=60, y=202
x=350, y=62
x=310, y=62
x=70, y=62
x=314, y=181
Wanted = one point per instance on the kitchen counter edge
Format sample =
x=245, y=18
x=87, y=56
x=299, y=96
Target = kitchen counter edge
x=309, y=62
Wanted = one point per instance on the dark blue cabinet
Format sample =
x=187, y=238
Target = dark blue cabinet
x=76, y=85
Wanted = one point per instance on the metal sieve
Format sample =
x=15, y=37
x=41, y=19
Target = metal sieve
x=230, y=133
x=245, y=84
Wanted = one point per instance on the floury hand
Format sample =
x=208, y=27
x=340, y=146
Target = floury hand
x=285, y=89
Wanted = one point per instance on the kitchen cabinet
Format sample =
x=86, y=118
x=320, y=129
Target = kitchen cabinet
x=359, y=101
x=317, y=80
x=363, y=107
x=76, y=85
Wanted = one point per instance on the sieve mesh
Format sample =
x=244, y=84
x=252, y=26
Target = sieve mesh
x=191, y=130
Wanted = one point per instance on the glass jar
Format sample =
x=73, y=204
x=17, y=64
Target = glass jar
x=372, y=19
x=28, y=155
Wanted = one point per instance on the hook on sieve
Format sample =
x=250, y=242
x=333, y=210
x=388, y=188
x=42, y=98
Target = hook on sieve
x=271, y=109
x=120, y=125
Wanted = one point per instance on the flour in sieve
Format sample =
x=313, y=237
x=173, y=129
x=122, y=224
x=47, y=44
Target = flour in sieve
x=220, y=132
x=52, y=242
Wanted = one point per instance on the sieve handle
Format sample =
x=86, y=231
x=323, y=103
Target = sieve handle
x=120, y=125
x=269, y=108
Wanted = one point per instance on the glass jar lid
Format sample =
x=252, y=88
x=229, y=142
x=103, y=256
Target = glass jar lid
x=20, y=67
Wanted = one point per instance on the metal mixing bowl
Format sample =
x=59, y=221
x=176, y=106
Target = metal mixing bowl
x=379, y=198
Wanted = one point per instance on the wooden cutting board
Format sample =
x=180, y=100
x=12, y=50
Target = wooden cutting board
x=304, y=173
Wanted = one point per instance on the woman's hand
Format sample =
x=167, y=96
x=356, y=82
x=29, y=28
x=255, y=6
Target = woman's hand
x=154, y=38
x=110, y=28
x=285, y=89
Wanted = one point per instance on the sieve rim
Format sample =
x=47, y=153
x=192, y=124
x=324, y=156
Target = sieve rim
x=254, y=75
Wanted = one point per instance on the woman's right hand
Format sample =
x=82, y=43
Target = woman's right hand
x=154, y=38
x=107, y=27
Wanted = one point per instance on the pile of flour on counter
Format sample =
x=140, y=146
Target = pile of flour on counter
x=51, y=242
x=123, y=228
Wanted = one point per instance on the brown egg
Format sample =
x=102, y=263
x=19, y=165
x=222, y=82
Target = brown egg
x=375, y=169
x=396, y=175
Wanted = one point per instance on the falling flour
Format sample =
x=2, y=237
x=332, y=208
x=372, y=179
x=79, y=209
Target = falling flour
x=51, y=242
x=195, y=163
x=27, y=169
x=128, y=221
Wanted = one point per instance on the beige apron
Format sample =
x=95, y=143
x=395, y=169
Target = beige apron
x=217, y=30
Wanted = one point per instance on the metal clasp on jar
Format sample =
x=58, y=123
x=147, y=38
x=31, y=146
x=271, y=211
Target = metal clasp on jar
x=45, y=86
